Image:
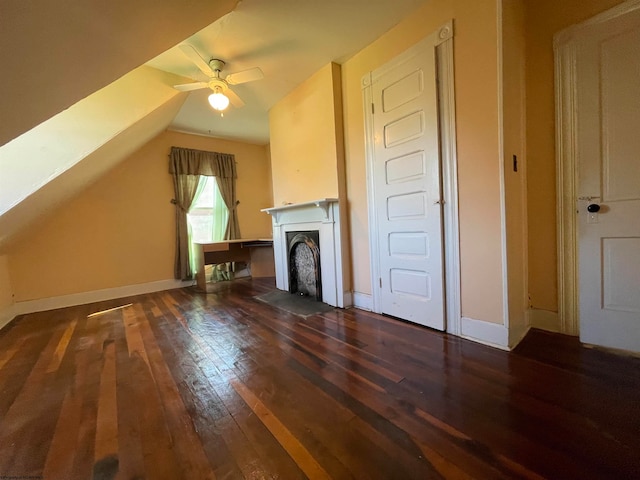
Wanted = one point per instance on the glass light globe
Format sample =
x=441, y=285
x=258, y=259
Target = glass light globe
x=218, y=101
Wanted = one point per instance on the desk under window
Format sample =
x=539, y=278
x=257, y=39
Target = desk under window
x=257, y=253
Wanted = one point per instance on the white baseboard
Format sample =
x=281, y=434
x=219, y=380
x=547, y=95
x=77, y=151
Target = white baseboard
x=545, y=320
x=51, y=303
x=363, y=301
x=487, y=333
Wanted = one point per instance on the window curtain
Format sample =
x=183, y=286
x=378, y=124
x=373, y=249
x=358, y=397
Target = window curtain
x=227, y=188
x=187, y=165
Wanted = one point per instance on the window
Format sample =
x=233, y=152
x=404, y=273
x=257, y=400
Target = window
x=208, y=215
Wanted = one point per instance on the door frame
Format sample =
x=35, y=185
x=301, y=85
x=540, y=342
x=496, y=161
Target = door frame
x=442, y=41
x=565, y=46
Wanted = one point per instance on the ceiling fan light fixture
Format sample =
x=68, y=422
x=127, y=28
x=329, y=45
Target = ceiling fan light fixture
x=218, y=100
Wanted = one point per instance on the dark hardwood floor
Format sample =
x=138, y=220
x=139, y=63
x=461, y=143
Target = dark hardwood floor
x=194, y=386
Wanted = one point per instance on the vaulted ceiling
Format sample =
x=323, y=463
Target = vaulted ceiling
x=77, y=97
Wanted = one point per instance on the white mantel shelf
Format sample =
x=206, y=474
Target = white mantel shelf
x=323, y=203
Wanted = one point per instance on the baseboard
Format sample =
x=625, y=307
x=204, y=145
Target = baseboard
x=363, y=301
x=83, y=298
x=492, y=334
x=544, y=320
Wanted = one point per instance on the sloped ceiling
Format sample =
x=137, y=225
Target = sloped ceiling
x=56, y=53
x=59, y=157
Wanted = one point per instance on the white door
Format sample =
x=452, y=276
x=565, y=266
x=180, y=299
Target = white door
x=407, y=188
x=608, y=117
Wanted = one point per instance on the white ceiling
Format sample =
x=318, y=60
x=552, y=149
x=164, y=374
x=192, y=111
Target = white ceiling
x=289, y=40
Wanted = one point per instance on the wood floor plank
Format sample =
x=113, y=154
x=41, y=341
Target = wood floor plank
x=155, y=437
x=61, y=349
x=10, y=352
x=61, y=454
x=131, y=464
x=294, y=448
x=92, y=339
x=106, y=442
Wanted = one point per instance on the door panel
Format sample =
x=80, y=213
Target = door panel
x=411, y=283
x=621, y=274
x=608, y=114
x=406, y=206
x=402, y=91
x=406, y=175
x=411, y=245
x=406, y=168
x=404, y=130
x=620, y=115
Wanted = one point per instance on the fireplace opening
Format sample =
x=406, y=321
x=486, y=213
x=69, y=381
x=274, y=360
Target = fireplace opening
x=304, y=263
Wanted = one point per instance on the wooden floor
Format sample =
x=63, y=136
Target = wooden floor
x=194, y=386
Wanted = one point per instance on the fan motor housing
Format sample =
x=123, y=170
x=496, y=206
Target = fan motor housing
x=216, y=64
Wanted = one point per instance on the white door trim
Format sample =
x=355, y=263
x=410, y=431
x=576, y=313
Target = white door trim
x=565, y=48
x=443, y=39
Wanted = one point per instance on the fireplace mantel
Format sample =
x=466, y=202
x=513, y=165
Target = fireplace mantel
x=322, y=203
x=322, y=215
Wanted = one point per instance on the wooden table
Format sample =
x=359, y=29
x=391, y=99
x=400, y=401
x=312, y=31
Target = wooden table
x=256, y=252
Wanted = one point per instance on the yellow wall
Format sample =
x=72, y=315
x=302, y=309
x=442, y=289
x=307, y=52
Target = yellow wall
x=513, y=88
x=267, y=153
x=120, y=231
x=544, y=18
x=476, y=90
x=6, y=290
x=304, y=141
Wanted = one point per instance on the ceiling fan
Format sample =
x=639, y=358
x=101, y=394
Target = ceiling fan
x=222, y=93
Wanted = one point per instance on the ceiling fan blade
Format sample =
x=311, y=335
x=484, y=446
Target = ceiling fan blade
x=187, y=87
x=235, y=100
x=244, y=76
x=193, y=55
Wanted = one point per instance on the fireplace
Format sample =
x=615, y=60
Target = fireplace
x=304, y=263
x=311, y=233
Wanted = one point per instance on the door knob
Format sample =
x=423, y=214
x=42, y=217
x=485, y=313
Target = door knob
x=593, y=208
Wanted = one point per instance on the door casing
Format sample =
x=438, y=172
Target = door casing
x=442, y=41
